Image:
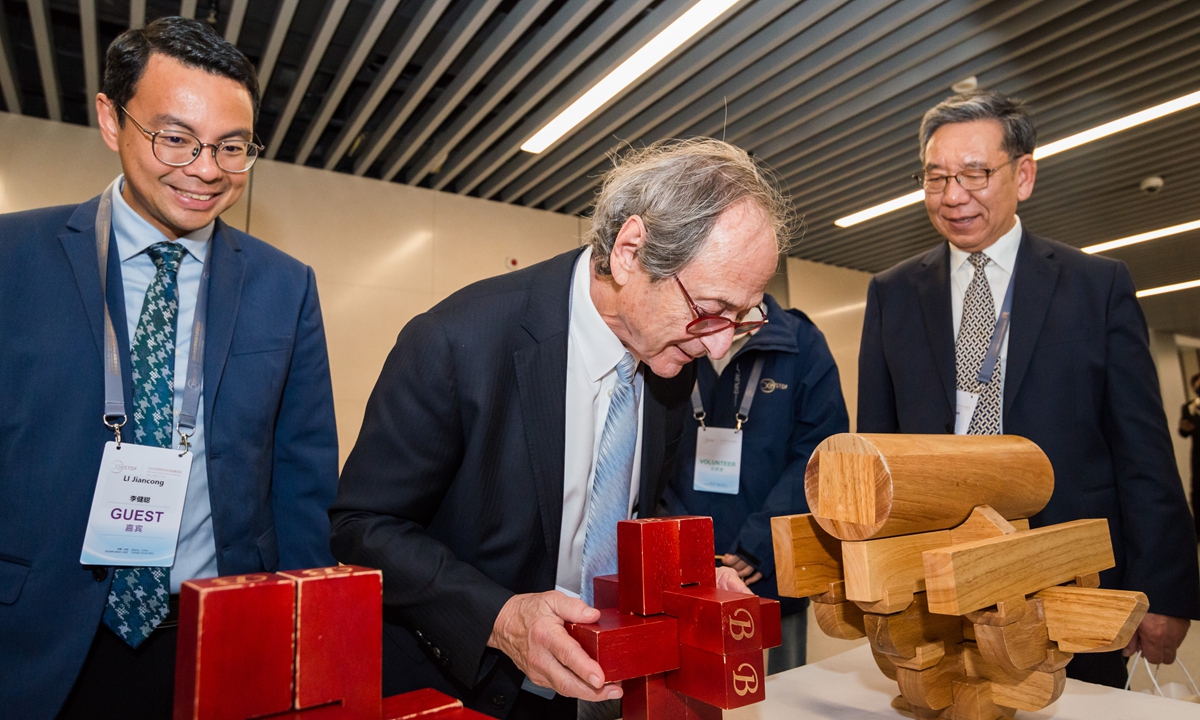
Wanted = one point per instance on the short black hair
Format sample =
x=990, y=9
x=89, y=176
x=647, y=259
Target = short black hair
x=189, y=41
x=1020, y=135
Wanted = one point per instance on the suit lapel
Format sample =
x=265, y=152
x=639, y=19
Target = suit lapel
x=1037, y=273
x=226, y=275
x=78, y=240
x=933, y=289
x=541, y=371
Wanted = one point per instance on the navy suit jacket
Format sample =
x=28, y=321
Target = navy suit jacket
x=269, y=431
x=1080, y=383
x=455, y=485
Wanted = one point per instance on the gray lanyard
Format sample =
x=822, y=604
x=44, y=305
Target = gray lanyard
x=114, y=384
x=743, y=413
x=998, y=332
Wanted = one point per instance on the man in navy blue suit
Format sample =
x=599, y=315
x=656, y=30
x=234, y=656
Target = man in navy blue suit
x=1073, y=372
x=178, y=105
x=515, y=423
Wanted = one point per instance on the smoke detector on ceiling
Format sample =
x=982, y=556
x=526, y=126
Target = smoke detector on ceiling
x=1152, y=184
x=965, y=85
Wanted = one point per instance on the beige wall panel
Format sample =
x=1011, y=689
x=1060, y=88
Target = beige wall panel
x=349, y=229
x=835, y=299
x=475, y=239
x=44, y=163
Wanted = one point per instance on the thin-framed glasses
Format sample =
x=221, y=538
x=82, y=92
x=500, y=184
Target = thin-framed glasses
x=973, y=179
x=177, y=148
x=707, y=324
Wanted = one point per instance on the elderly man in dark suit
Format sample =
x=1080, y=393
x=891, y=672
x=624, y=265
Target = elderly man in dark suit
x=516, y=422
x=998, y=330
x=90, y=640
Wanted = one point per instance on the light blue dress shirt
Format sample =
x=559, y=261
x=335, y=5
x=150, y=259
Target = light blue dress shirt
x=196, y=555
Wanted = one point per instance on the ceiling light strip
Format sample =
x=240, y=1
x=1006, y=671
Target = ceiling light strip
x=1135, y=239
x=700, y=16
x=1067, y=143
x=1169, y=288
x=863, y=215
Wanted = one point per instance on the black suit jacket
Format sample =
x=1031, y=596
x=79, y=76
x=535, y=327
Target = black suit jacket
x=1080, y=383
x=455, y=486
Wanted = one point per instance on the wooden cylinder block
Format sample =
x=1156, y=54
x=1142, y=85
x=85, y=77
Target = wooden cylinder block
x=876, y=486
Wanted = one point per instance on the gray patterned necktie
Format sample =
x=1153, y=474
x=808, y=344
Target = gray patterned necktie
x=974, y=336
x=137, y=602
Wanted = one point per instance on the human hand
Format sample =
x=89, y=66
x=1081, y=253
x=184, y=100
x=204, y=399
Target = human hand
x=744, y=569
x=529, y=629
x=727, y=579
x=1186, y=426
x=1158, y=637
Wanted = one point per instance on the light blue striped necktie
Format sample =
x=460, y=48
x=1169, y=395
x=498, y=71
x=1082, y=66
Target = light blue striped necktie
x=609, y=500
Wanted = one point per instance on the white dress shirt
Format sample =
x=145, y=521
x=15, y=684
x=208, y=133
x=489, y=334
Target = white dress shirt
x=1003, y=256
x=593, y=352
x=196, y=553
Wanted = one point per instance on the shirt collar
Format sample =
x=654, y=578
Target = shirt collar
x=135, y=233
x=599, y=347
x=1003, y=252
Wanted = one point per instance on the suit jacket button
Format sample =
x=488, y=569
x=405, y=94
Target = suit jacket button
x=100, y=573
x=498, y=701
x=950, y=427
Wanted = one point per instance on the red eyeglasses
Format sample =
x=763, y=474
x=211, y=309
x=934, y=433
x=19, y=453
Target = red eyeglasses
x=707, y=324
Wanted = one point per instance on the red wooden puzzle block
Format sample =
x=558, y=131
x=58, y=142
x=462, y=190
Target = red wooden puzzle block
x=697, y=710
x=647, y=563
x=719, y=621
x=772, y=632
x=649, y=698
x=418, y=703
x=241, y=664
x=726, y=681
x=605, y=592
x=629, y=646
x=339, y=612
x=696, y=551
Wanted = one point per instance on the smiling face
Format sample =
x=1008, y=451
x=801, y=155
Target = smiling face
x=727, y=278
x=173, y=96
x=973, y=220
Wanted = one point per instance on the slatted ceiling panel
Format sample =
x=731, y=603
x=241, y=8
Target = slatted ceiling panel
x=829, y=93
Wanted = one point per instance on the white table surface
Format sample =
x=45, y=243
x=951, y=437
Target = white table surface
x=850, y=686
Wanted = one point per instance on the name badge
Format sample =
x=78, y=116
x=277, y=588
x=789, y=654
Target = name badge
x=137, y=506
x=718, y=460
x=965, y=410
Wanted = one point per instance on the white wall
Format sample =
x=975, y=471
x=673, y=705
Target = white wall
x=382, y=252
x=835, y=299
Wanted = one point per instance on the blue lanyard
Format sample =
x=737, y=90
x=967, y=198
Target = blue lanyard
x=998, y=332
x=743, y=413
x=114, y=383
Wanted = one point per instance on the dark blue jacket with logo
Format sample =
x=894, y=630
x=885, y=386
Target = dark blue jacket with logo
x=798, y=403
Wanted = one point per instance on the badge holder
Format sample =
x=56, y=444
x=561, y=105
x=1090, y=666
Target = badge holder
x=719, y=450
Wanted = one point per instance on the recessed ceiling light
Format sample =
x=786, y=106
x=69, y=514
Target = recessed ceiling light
x=1143, y=237
x=1169, y=288
x=1073, y=141
x=700, y=16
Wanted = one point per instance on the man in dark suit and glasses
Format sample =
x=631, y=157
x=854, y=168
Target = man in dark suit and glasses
x=178, y=104
x=515, y=422
x=1071, y=372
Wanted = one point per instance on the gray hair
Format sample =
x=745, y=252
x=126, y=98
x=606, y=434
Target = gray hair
x=1020, y=136
x=679, y=188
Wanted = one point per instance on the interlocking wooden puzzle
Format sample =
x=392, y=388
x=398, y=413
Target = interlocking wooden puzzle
x=682, y=648
x=921, y=544
x=302, y=645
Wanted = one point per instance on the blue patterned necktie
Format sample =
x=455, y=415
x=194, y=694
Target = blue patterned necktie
x=609, y=500
x=137, y=602
x=974, y=336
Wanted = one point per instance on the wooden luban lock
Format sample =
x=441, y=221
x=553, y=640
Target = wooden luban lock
x=876, y=486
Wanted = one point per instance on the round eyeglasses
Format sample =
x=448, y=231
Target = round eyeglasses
x=973, y=179
x=177, y=148
x=707, y=324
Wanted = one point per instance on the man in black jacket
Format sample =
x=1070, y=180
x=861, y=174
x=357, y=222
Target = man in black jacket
x=516, y=421
x=1073, y=373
